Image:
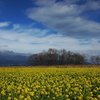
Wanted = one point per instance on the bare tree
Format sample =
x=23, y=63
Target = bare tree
x=75, y=58
x=78, y=59
x=95, y=60
x=17, y=63
x=54, y=57
x=69, y=57
x=44, y=58
x=32, y=60
x=62, y=56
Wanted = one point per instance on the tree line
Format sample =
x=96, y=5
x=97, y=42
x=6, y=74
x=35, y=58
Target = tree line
x=60, y=57
x=95, y=60
x=56, y=57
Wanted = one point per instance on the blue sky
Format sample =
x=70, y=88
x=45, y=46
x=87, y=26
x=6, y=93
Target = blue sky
x=31, y=26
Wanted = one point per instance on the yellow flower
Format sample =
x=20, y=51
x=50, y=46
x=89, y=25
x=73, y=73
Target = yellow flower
x=28, y=97
x=94, y=99
x=9, y=98
x=91, y=94
x=9, y=94
x=67, y=96
x=76, y=89
x=19, y=88
x=88, y=98
x=68, y=85
x=54, y=98
x=46, y=93
x=26, y=91
x=98, y=96
x=42, y=92
x=52, y=90
x=66, y=90
x=32, y=93
x=67, y=99
x=60, y=94
x=3, y=92
x=94, y=90
x=15, y=98
x=48, y=96
x=80, y=98
x=75, y=92
x=25, y=99
x=18, y=92
x=9, y=88
x=21, y=97
x=55, y=93
x=75, y=98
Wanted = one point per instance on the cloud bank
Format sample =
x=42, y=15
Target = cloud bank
x=65, y=16
x=4, y=24
x=28, y=39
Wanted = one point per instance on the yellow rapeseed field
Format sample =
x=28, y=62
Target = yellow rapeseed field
x=49, y=83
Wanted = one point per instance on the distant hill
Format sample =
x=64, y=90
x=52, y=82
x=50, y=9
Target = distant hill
x=10, y=58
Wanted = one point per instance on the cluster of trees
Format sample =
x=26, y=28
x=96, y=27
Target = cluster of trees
x=95, y=60
x=56, y=57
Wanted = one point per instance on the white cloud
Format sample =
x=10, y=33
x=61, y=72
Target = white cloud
x=44, y=2
x=3, y=24
x=91, y=5
x=28, y=40
x=16, y=26
x=65, y=18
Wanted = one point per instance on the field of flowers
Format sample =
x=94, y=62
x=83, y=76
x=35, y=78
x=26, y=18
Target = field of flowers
x=49, y=83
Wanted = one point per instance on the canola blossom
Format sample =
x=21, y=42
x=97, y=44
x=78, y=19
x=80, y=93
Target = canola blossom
x=49, y=83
